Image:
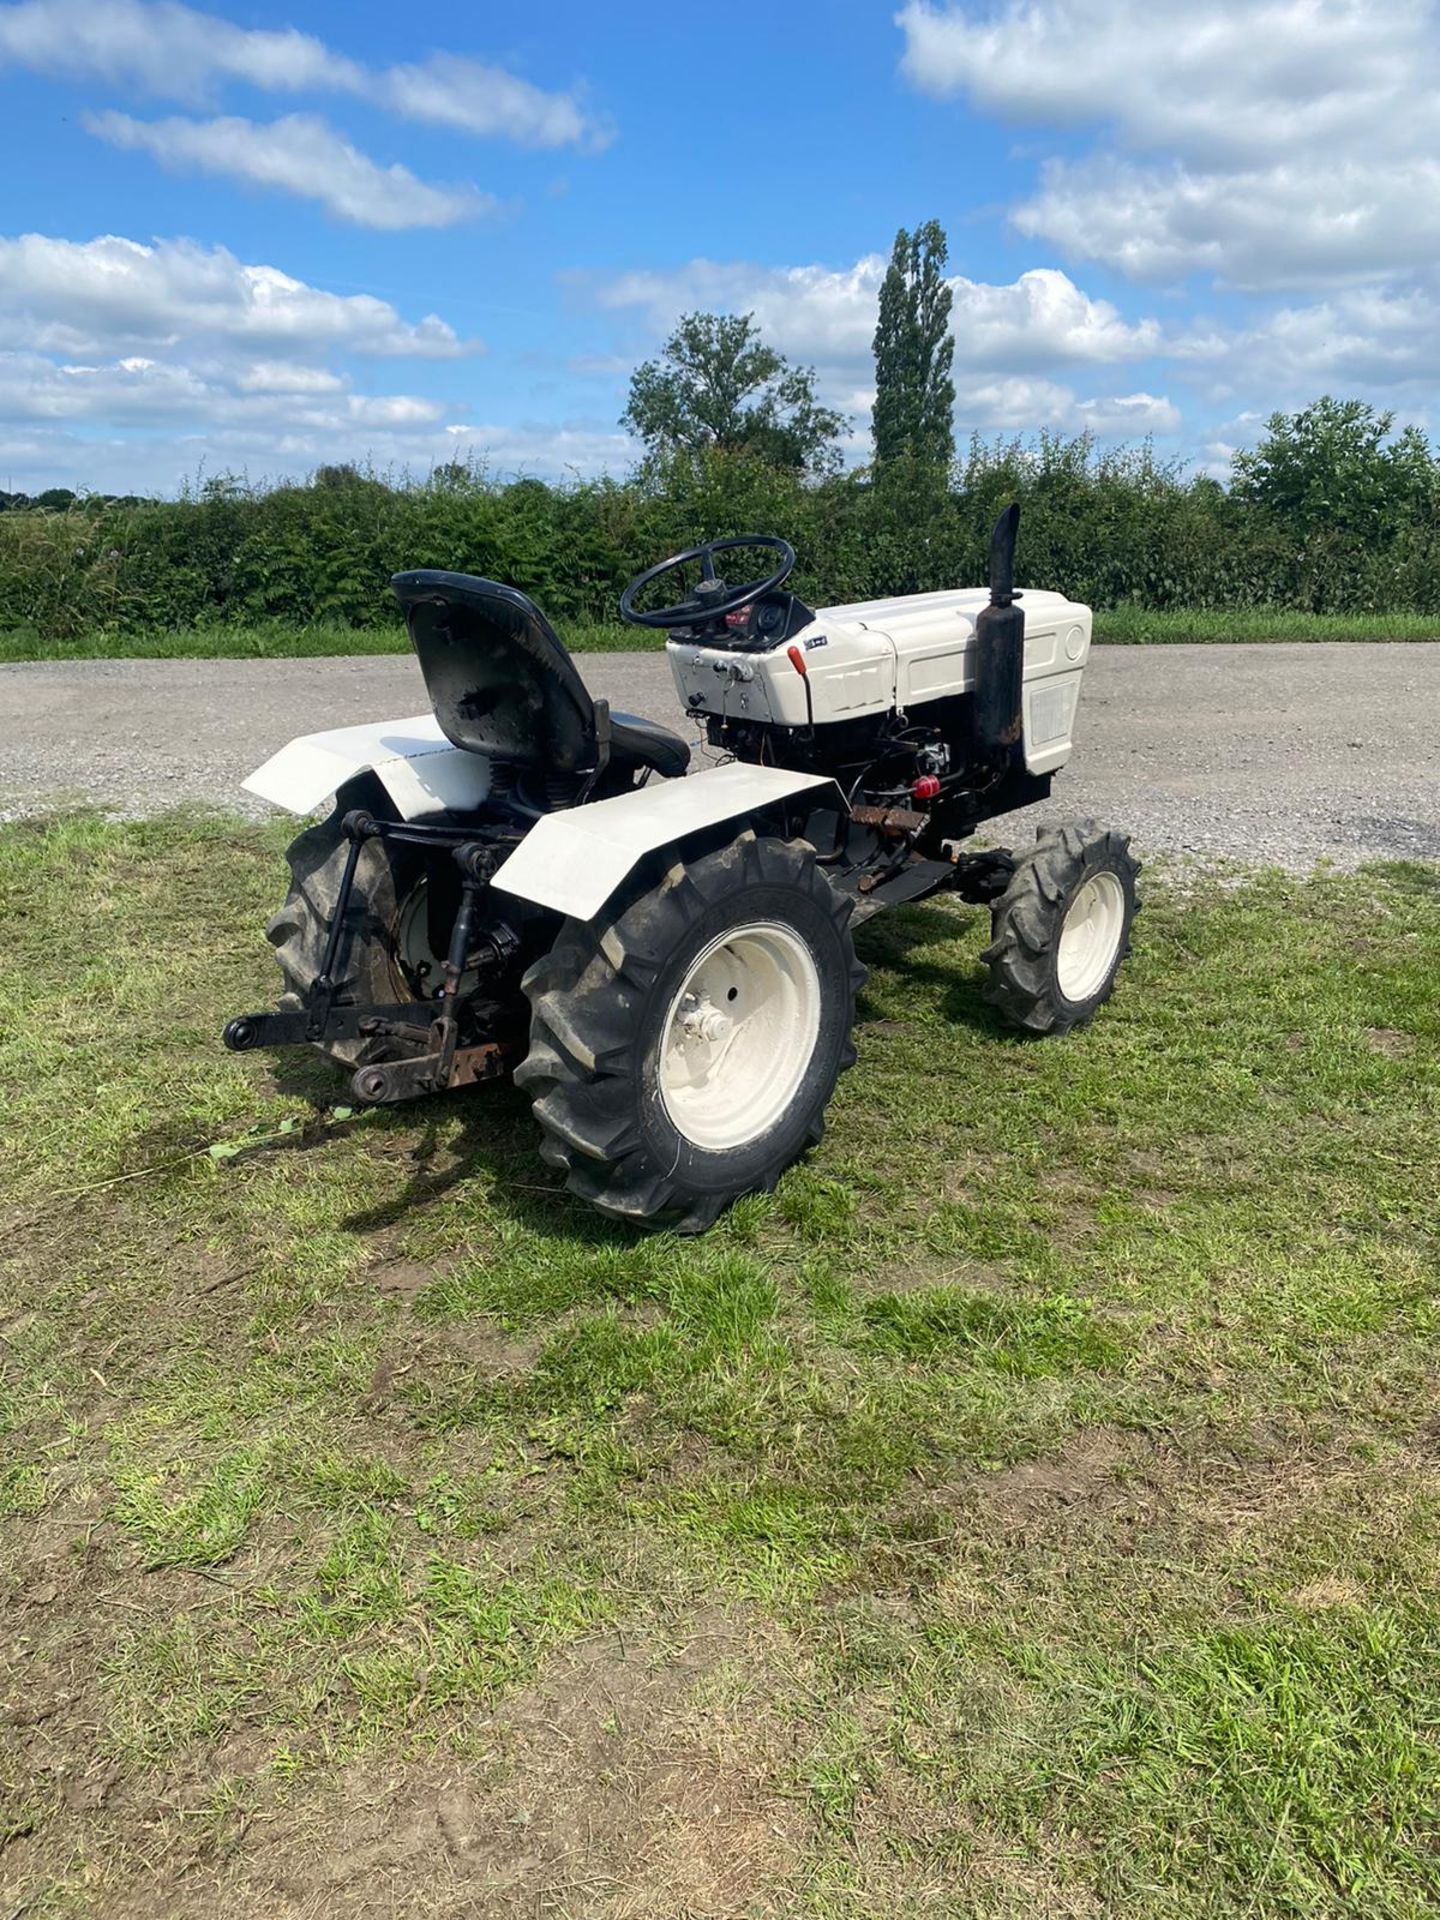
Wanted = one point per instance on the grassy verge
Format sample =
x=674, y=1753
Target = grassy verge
x=274, y=640
x=1144, y=627
x=1031, y=1509
x=1118, y=626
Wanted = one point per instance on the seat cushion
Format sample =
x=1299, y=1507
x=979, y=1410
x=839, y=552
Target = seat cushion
x=648, y=744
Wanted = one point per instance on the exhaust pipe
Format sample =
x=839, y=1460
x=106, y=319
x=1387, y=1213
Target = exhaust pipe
x=999, y=715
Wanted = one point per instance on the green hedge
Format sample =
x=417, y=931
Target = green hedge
x=1115, y=530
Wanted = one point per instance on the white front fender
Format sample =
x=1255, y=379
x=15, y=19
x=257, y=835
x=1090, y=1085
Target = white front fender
x=414, y=762
x=573, y=861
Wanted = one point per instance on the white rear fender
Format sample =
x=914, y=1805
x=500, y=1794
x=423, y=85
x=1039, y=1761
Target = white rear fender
x=417, y=766
x=573, y=862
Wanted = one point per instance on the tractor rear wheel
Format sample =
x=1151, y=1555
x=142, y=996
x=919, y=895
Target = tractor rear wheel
x=381, y=958
x=684, y=1047
x=1062, y=927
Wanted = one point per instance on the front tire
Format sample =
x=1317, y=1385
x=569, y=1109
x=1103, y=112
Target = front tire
x=684, y=1046
x=1062, y=928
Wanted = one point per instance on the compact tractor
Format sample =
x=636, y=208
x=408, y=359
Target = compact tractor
x=527, y=884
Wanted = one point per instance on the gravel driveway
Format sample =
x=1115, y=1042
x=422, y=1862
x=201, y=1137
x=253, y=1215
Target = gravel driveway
x=1281, y=754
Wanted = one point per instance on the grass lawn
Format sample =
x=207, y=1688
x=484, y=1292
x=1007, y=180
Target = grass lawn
x=1031, y=1510
x=1128, y=626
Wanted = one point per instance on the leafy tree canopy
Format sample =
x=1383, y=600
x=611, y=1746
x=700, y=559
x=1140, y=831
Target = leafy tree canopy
x=716, y=384
x=1336, y=467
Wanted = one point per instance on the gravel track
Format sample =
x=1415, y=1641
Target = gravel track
x=1272, y=754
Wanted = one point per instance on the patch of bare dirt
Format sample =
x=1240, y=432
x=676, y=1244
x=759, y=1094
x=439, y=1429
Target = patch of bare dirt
x=1391, y=1041
x=1087, y=1472
x=643, y=1779
x=1320, y=1596
x=401, y=1280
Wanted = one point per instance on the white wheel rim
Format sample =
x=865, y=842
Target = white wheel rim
x=739, y=1036
x=1090, y=936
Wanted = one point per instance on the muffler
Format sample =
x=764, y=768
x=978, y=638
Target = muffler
x=998, y=711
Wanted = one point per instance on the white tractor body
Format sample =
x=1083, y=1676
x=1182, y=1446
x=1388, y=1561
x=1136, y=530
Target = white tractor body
x=418, y=767
x=877, y=655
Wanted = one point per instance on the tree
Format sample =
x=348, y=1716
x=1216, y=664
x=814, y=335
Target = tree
x=914, y=417
x=1333, y=468
x=717, y=384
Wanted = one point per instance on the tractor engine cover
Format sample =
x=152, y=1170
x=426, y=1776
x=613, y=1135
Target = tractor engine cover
x=875, y=657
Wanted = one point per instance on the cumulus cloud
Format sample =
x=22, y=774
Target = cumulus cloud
x=1280, y=143
x=826, y=316
x=1369, y=339
x=299, y=154
x=176, y=52
x=1229, y=83
x=474, y=98
x=112, y=295
x=1305, y=223
x=86, y=450
x=140, y=392
x=1023, y=405
x=126, y=366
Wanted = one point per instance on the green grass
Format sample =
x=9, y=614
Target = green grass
x=274, y=640
x=1119, y=626
x=1146, y=627
x=1031, y=1508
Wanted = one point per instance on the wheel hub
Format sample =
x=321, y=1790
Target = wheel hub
x=739, y=1036
x=1090, y=936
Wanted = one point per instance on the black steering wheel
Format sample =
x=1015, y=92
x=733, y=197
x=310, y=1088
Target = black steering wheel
x=711, y=598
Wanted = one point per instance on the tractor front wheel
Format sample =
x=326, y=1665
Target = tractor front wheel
x=1062, y=927
x=684, y=1046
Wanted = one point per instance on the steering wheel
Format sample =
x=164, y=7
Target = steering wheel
x=711, y=598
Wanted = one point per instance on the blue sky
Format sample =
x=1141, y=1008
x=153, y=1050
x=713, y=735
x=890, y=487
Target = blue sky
x=263, y=237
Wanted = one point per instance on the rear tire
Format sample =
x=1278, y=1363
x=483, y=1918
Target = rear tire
x=369, y=966
x=1062, y=928
x=685, y=1045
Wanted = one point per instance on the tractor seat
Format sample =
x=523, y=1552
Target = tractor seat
x=503, y=684
x=648, y=744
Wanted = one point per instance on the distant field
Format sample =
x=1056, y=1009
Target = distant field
x=1120, y=626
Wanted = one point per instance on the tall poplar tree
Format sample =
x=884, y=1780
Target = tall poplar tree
x=914, y=393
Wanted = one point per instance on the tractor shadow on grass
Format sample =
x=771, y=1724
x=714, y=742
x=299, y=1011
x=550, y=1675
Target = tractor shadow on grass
x=898, y=940
x=442, y=1142
x=488, y=1132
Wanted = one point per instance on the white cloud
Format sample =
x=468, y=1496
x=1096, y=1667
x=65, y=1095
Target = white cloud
x=1290, y=142
x=75, y=451
x=112, y=295
x=167, y=49
x=1306, y=223
x=1230, y=83
x=1022, y=405
x=466, y=94
x=141, y=392
x=1362, y=338
x=826, y=316
x=127, y=367
x=299, y=154
x=176, y=52
x=1042, y=319
x=813, y=313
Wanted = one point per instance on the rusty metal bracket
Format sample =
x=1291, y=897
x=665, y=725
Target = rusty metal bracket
x=894, y=822
x=428, y=1073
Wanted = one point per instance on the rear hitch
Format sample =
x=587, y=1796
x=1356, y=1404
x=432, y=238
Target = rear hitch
x=412, y=1079
x=439, y=1062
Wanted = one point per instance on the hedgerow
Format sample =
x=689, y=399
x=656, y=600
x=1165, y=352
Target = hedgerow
x=1113, y=528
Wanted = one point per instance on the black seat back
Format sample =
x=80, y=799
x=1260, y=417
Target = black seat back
x=498, y=675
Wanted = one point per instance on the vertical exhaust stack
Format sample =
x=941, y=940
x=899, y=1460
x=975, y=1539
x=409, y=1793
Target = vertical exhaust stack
x=999, y=715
